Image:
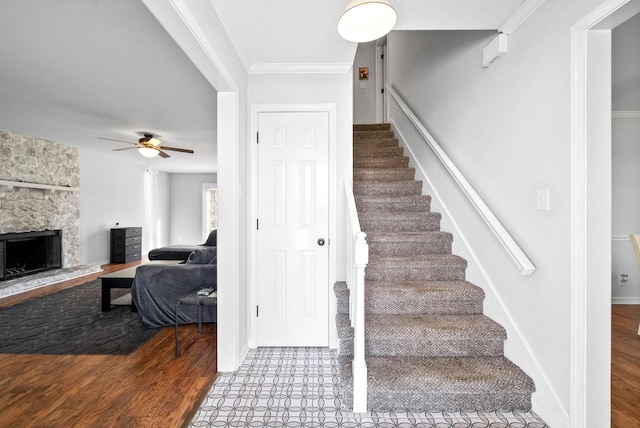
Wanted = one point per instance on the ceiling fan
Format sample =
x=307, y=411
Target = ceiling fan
x=149, y=146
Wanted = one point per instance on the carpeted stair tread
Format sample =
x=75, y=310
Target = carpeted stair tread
x=400, y=221
x=383, y=174
x=382, y=162
x=426, y=335
x=371, y=127
x=442, y=384
x=393, y=203
x=388, y=188
x=399, y=244
x=429, y=267
x=427, y=297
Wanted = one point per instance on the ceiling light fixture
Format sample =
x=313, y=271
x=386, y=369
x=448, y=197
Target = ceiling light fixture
x=366, y=20
x=148, y=152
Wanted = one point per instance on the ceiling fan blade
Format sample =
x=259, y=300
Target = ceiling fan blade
x=176, y=149
x=120, y=141
x=124, y=148
x=163, y=154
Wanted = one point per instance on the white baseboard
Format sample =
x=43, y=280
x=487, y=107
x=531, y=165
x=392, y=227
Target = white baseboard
x=625, y=300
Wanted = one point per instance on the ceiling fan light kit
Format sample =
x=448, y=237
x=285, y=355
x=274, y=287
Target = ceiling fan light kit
x=366, y=20
x=148, y=152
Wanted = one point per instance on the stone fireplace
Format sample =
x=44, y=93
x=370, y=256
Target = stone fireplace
x=39, y=183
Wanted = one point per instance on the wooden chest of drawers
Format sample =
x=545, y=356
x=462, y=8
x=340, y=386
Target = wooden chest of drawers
x=126, y=244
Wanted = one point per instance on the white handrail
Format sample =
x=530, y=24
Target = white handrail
x=357, y=260
x=512, y=248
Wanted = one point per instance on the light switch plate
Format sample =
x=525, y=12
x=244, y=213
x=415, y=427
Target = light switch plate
x=363, y=85
x=542, y=200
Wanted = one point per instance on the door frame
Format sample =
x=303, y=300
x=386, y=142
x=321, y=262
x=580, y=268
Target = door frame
x=252, y=199
x=590, y=242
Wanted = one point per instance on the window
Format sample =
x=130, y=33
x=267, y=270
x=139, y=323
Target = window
x=210, y=208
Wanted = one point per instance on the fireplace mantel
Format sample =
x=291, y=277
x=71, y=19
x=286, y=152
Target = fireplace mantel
x=47, y=188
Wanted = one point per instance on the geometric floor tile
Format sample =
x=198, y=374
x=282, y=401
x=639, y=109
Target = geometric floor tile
x=300, y=387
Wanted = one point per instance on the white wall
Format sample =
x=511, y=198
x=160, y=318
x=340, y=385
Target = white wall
x=187, y=207
x=625, y=159
x=364, y=99
x=507, y=128
x=112, y=190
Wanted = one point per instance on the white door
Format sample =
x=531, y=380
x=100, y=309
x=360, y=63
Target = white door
x=293, y=227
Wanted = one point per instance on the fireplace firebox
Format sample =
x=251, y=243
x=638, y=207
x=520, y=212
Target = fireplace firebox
x=27, y=253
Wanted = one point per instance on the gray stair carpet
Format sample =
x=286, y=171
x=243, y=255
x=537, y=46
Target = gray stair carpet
x=428, y=345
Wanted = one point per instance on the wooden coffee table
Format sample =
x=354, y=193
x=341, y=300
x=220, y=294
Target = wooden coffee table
x=122, y=279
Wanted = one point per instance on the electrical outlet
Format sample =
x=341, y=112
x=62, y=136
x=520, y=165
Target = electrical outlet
x=623, y=279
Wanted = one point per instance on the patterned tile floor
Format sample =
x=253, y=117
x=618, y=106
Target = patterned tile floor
x=300, y=387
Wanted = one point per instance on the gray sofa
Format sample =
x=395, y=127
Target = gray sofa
x=156, y=289
x=181, y=252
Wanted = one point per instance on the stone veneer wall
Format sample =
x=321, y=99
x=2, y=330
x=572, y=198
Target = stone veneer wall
x=33, y=160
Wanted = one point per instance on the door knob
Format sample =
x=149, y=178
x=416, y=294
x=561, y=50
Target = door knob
x=321, y=242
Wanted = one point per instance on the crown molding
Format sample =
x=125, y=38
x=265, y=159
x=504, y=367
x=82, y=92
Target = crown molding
x=230, y=29
x=518, y=17
x=300, y=68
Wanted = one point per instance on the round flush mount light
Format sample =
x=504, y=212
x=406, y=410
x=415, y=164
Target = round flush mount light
x=366, y=20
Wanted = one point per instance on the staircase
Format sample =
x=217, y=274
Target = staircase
x=428, y=345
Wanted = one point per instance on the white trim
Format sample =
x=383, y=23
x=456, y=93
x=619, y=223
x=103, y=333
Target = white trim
x=230, y=29
x=518, y=17
x=621, y=114
x=300, y=68
x=625, y=301
x=252, y=197
x=518, y=256
x=581, y=285
x=379, y=66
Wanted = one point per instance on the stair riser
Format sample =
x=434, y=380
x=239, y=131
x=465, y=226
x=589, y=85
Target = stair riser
x=426, y=224
x=393, y=162
x=381, y=273
x=375, y=305
x=399, y=188
x=443, y=401
x=360, y=135
x=425, y=348
x=371, y=127
x=400, y=174
x=393, y=207
x=380, y=142
x=378, y=152
x=434, y=246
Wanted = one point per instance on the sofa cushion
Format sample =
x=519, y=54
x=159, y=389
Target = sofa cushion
x=212, y=240
x=203, y=256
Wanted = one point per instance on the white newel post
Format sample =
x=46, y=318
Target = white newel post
x=359, y=364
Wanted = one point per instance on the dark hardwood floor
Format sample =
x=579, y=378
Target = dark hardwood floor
x=147, y=388
x=625, y=366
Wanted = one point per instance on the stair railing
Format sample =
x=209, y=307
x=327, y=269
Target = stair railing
x=512, y=248
x=357, y=260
